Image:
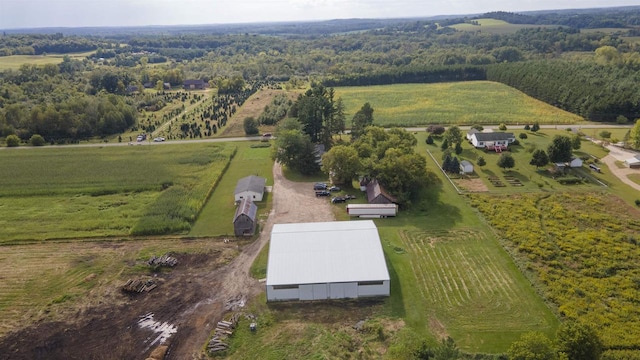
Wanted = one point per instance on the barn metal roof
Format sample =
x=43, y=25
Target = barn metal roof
x=325, y=252
x=246, y=207
x=251, y=183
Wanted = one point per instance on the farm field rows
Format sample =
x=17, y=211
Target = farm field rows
x=493, y=26
x=112, y=191
x=584, y=258
x=481, y=102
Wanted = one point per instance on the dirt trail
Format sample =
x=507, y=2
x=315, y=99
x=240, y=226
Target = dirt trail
x=620, y=173
x=192, y=297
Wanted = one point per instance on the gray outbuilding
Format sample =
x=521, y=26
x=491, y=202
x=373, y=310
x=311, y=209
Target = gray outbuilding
x=250, y=187
x=244, y=221
x=326, y=260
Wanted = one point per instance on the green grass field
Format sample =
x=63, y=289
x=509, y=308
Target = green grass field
x=50, y=193
x=14, y=62
x=217, y=215
x=493, y=26
x=478, y=102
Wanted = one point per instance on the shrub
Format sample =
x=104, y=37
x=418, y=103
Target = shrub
x=502, y=127
x=527, y=127
x=36, y=140
x=637, y=202
x=481, y=161
x=522, y=136
x=251, y=126
x=429, y=140
x=435, y=129
x=13, y=141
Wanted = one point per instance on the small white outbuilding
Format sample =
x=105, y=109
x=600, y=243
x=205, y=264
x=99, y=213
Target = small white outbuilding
x=466, y=167
x=326, y=260
x=251, y=187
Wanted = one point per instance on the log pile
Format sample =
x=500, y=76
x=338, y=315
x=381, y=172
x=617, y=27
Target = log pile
x=223, y=331
x=139, y=286
x=164, y=260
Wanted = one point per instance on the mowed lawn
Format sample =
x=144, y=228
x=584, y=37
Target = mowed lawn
x=493, y=26
x=53, y=193
x=477, y=102
x=216, y=218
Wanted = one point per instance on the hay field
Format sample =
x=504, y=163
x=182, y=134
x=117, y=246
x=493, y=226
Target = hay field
x=461, y=103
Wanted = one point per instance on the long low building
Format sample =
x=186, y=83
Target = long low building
x=326, y=260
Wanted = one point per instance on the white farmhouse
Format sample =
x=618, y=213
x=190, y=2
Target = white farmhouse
x=326, y=260
x=492, y=140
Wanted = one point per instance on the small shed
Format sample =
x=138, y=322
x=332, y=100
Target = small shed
x=575, y=162
x=633, y=163
x=244, y=221
x=466, y=167
x=376, y=194
x=250, y=187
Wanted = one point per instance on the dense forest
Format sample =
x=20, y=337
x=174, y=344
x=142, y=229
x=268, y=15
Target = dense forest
x=591, y=72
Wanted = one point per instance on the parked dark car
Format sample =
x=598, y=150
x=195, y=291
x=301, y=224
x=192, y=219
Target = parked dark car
x=320, y=186
x=323, y=193
x=334, y=188
x=338, y=199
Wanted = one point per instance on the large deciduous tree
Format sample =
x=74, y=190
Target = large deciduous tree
x=634, y=135
x=341, y=163
x=506, y=161
x=539, y=158
x=295, y=150
x=559, y=151
x=532, y=346
x=316, y=110
x=578, y=341
x=453, y=135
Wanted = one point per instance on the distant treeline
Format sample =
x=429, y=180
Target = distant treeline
x=579, y=19
x=42, y=44
x=595, y=92
x=411, y=75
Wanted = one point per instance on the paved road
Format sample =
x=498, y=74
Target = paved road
x=142, y=143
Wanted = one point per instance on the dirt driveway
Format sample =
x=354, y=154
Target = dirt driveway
x=191, y=298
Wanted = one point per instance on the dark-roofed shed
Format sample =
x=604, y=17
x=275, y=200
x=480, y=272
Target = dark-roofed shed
x=244, y=221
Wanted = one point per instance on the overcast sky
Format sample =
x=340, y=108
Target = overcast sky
x=77, y=13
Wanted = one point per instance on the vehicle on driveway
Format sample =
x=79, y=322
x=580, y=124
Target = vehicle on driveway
x=320, y=186
x=334, y=188
x=159, y=139
x=323, y=193
x=338, y=199
x=349, y=197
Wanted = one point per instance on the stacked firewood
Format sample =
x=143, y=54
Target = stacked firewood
x=164, y=260
x=139, y=286
x=224, y=329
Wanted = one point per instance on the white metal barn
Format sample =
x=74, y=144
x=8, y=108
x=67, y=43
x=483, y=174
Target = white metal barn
x=326, y=260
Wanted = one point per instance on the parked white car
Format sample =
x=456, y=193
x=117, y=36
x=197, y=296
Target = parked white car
x=159, y=139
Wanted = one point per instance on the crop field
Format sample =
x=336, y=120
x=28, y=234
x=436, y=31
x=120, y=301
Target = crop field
x=55, y=193
x=464, y=103
x=45, y=279
x=584, y=258
x=14, y=62
x=493, y=26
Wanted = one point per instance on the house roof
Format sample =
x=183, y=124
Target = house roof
x=325, y=252
x=493, y=136
x=194, y=82
x=246, y=207
x=251, y=183
x=374, y=189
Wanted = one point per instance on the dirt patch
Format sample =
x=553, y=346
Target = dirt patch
x=191, y=298
x=472, y=185
x=437, y=328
